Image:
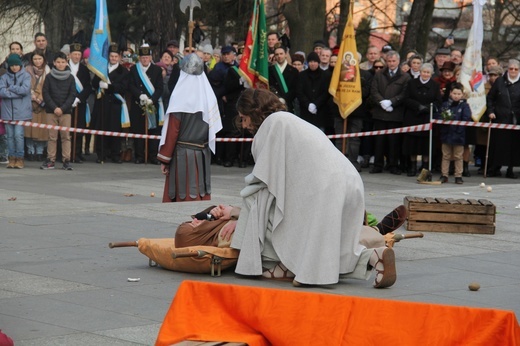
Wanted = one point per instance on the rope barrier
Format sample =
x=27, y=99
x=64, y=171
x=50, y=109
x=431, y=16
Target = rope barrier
x=408, y=129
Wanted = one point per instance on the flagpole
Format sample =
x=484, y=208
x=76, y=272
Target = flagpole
x=431, y=139
x=146, y=139
x=344, y=145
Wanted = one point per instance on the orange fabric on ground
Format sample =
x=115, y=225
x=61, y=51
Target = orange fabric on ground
x=262, y=316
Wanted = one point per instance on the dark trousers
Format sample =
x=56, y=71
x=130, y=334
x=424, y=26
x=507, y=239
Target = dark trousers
x=389, y=144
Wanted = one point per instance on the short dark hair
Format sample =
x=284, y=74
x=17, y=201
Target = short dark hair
x=273, y=33
x=39, y=34
x=166, y=51
x=60, y=55
x=457, y=85
x=16, y=42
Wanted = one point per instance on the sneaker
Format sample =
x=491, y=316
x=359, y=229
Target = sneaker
x=66, y=166
x=443, y=179
x=47, y=165
x=4, y=160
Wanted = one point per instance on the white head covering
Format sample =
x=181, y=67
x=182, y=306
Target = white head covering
x=192, y=94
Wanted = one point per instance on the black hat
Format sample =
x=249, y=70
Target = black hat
x=174, y=43
x=113, y=48
x=75, y=47
x=145, y=50
x=228, y=49
x=319, y=43
x=386, y=48
x=313, y=56
x=443, y=51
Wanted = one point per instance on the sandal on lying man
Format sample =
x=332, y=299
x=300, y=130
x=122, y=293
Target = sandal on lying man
x=383, y=261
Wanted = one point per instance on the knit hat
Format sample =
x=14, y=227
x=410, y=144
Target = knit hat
x=208, y=49
x=14, y=60
x=313, y=56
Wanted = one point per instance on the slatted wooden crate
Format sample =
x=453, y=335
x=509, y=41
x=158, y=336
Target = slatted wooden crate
x=450, y=215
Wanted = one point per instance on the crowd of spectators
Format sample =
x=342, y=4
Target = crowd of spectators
x=396, y=92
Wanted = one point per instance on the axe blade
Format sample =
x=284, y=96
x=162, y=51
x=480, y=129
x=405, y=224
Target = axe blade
x=189, y=3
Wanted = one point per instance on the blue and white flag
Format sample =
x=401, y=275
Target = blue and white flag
x=98, y=60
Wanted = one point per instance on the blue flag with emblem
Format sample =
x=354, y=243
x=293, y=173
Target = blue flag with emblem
x=98, y=60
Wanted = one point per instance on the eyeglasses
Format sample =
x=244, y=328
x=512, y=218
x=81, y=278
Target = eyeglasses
x=188, y=51
x=127, y=55
x=513, y=69
x=379, y=67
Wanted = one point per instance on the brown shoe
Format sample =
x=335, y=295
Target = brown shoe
x=18, y=163
x=12, y=161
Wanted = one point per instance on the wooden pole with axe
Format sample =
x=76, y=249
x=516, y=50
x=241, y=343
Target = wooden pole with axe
x=191, y=4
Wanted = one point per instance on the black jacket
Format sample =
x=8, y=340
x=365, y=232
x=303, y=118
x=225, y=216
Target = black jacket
x=59, y=93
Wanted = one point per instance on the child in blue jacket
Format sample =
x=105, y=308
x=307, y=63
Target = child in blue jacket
x=453, y=137
x=15, y=91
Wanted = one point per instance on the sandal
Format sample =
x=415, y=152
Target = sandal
x=278, y=272
x=392, y=221
x=384, y=266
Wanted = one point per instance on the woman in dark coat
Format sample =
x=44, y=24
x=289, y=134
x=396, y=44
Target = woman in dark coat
x=503, y=103
x=422, y=92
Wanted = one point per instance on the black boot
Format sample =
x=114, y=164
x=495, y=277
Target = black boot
x=465, y=170
x=412, y=171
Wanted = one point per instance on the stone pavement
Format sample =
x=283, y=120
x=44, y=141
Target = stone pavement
x=60, y=284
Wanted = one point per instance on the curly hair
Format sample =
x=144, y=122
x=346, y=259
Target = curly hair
x=258, y=104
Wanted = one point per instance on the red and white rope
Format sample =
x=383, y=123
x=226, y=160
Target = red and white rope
x=408, y=129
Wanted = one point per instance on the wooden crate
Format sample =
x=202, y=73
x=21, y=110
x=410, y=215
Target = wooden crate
x=450, y=215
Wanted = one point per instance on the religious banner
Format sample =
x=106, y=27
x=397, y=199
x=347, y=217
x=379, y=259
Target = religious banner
x=98, y=60
x=345, y=85
x=254, y=66
x=471, y=75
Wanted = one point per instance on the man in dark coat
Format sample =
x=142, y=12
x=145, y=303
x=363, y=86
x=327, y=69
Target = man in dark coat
x=110, y=110
x=388, y=92
x=81, y=110
x=145, y=83
x=226, y=152
x=283, y=78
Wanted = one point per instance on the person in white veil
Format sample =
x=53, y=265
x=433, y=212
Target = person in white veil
x=188, y=136
x=303, y=204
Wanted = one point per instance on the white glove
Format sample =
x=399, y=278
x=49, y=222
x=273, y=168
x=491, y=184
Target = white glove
x=312, y=108
x=76, y=102
x=385, y=104
x=143, y=99
x=244, y=83
x=103, y=85
x=390, y=109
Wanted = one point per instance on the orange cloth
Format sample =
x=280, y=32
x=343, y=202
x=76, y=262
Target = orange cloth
x=262, y=316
